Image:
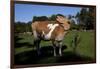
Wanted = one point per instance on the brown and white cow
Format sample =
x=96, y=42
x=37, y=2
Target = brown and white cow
x=44, y=30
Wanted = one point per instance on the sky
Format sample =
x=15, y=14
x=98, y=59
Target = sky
x=25, y=12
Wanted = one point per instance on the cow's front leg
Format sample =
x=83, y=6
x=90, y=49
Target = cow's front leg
x=54, y=51
x=60, y=48
x=54, y=47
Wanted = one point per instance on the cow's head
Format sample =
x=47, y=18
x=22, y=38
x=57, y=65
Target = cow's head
x=62, y=20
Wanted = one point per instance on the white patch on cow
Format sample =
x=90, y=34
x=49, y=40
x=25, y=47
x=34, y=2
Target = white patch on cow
x=51, y=27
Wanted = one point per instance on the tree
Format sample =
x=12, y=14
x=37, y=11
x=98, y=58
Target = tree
x=29, y=29
x=52, y=18
x=92, y=16
x=20, y=27
x=40, y=18
x=86, y=18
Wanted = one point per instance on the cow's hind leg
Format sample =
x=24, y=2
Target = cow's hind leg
x=37, y=43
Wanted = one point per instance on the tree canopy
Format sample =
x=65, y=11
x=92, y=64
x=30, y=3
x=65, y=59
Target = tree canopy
x=86, y=18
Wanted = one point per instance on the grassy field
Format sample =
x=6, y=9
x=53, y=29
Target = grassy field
x=25, y=52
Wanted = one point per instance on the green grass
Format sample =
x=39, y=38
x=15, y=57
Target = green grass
x=86, y=46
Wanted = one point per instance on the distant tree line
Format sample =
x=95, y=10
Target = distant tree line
x=21, y=27
x=45, y=18
x=83, y=20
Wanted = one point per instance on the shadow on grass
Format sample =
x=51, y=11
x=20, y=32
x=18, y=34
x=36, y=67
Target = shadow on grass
x=31, y=57
x=73, y=57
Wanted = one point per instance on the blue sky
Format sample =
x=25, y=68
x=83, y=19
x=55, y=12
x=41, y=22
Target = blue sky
x=25, y=12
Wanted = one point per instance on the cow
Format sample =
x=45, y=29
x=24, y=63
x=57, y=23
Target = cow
x=48, y=31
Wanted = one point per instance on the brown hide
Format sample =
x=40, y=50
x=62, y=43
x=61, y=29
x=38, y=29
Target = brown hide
x=40, y=26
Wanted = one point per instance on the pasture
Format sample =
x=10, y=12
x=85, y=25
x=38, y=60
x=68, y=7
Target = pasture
x=25, y=52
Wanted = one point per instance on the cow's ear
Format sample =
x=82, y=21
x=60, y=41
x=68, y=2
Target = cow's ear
x=61, y=19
